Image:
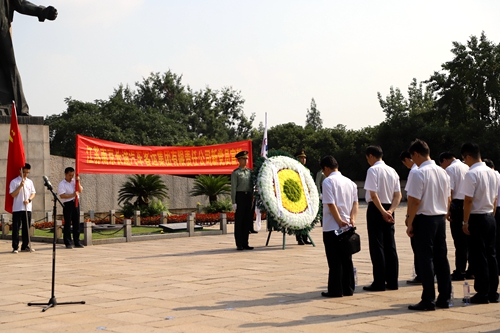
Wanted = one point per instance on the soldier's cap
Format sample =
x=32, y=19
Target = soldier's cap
x=301, y=153
x=242, y=154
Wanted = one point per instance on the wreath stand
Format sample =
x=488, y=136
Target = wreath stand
x=270, y=229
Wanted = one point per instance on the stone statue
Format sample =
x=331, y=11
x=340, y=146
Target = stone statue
x=10, y=82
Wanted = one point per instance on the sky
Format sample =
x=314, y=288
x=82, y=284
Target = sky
x=278, y=53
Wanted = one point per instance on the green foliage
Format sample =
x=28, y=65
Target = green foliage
x=162, y=111
x=142, y=188
x=313, y=117
x=219, y=206
x=211, y=186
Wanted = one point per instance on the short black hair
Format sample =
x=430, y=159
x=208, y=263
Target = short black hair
x=446, y=155
x=68, y=170
x=329, y=161
x=419, y=146
x=27, y=166
x=471, y=149
x=375, y=151
x=404, y=155
x=489, y=163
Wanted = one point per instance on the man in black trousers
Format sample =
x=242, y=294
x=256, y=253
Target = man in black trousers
x=383, y=195
x=68, y=192
x=429, y=196
x=480, y=189
x=242, y=198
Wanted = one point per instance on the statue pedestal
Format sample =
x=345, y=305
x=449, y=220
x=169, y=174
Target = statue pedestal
x=37, y=150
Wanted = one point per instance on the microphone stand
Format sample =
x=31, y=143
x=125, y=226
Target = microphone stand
x=53, y=302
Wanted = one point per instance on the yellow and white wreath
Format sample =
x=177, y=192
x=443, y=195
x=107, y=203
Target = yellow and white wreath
x=288, y=192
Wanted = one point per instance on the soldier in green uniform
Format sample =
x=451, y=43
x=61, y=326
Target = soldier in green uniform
x=242, y=197
x=301, y=156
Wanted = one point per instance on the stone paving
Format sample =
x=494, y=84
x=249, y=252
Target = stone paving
x=202, y=284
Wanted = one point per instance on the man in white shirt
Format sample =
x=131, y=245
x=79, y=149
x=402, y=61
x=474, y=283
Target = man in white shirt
x=69, y=194
x=428, y=200
x=23, y=192
x=408, y=162
x=480, y=190
x=491, y=165
x=457, y=170
x=383, y=195
x=340, y=208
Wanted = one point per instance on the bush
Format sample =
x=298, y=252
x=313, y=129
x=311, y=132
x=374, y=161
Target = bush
x=153, y=209
x=219, y=206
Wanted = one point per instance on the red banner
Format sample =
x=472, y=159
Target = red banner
x=15, y=157
x=100, y=156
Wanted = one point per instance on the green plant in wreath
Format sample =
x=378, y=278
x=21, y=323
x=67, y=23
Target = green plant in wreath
x=292, y=207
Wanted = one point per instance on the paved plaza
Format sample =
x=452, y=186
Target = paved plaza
x=202, y=284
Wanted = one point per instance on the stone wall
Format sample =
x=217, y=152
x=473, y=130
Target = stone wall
x=37, y=152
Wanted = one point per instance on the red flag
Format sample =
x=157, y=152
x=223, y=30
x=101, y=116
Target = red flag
x=77, y=182
x=15, y=158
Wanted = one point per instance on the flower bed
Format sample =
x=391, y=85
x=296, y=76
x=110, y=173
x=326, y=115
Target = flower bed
x=150, y=220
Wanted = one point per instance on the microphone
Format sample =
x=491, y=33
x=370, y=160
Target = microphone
x=46, y=182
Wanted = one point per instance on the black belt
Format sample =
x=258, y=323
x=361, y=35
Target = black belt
x=244, y=192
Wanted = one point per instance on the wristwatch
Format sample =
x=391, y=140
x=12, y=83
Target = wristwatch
x=465, y=223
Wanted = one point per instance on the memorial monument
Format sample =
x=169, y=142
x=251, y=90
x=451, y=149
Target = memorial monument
x=11, y=88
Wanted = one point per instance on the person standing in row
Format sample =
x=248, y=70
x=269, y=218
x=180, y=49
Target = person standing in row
x=490, y=164
x=23, y=191
x=383, y=195
x=457, y=170
x=429, y=196
x=302, y=157
x=480, y=190
x=340, y=208
x=242, y=199
x=69, y=193
x=408, y=162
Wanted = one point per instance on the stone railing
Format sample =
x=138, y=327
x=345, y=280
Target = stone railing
x=127, y=229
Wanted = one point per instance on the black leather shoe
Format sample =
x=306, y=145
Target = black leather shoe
x=416, y=280
x=248, y=247
x=422, y=307
x=442, y=305
x=300, y=242
x=69, y=246
x=307, y=242
x=372, y=288
x=80, y=246
x=477, y=300
x=387, y=287
x=239, y=248
x=254, y=232
x=329, y=295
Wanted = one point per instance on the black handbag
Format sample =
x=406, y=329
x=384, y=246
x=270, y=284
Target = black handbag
x=351, y=240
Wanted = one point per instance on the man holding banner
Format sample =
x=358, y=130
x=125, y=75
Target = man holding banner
x=22, y=191
x=68, y=192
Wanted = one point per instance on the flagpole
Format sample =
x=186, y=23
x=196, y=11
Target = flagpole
x=263, y=153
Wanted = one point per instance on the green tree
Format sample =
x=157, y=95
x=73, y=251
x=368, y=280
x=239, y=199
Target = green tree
x=313, y=117
x=468, y=87
x=160, y=112
x=211, y=186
